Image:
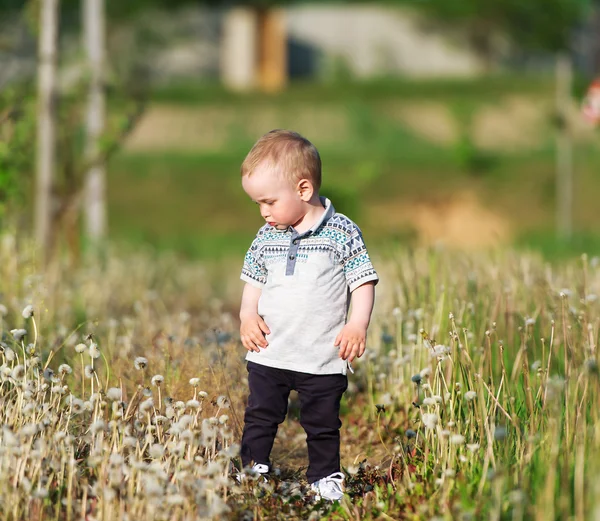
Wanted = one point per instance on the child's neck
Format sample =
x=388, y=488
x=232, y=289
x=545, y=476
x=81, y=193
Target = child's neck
x=313, y=214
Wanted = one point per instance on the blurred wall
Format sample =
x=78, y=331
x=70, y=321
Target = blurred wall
x=373, y=40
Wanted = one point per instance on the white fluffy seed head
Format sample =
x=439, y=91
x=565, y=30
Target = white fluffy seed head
x=27, y=311
x=470, y=395
x=140, y=363
x=430, y=420
x=457, y=439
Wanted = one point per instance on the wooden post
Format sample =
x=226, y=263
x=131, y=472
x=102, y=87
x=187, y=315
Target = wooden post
x=46, y=124
x=95, y=180
x=564, y=152
x=272, y=65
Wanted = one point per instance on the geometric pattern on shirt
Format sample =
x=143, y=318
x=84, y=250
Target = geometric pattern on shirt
x=338, y=234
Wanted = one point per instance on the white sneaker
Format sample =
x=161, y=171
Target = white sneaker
x=258, y=470
x=330, y=488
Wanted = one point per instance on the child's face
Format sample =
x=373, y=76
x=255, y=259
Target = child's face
x=281, y=204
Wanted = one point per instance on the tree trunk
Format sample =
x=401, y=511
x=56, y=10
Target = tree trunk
x=95, y=181
x=564, y=155
x=272, y=47
x=46, y=129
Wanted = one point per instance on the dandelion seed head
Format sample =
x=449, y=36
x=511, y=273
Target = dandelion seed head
x=114, y=394
x=18, y=372
x=157, y=380
x=93, y=350
x=194, y=382
x=223, y=402
x=140, y=363
x=425, y=372
x=18, y=334
x=457, y=439
x=470, y=395
x=130, y=441
x=77, y=406
x=64, y=369
x=97, y=426
x=80, y=348
x=89, y=371
x=9, y=354
x=473, y=447
x=430, y=420
x=429, y=401
x=157, y=451
x=147, y=405
x=27, y=311
x=202, y=394
x=192, y=404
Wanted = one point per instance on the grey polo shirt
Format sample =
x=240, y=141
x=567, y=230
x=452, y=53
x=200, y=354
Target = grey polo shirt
x=306, y=280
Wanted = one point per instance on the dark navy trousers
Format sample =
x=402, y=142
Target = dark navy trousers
x=319, y=396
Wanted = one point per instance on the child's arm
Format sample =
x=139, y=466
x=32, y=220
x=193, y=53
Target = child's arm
x=352, y=338
x=253, y=328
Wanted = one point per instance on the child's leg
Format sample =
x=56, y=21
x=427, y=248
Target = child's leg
x=320, y=397
x=267, y=407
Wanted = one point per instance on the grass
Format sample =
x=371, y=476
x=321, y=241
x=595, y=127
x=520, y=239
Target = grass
x=485, y=88
x=191, y=200
x=478, y=395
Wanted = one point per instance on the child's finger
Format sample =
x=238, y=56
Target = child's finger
x=259, y=335
x=247, y=343
x=336, y=343
x=361, y=349
x=344, y=348
x=258, y=339
x=263, y=326
x=353, y=351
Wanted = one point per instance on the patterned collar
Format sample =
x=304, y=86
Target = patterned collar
x=327, y=214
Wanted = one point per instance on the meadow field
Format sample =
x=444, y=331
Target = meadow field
x=122, y=388
x=469, y=162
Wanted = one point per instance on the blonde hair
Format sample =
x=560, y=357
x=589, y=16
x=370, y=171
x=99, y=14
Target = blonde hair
x=292, y=155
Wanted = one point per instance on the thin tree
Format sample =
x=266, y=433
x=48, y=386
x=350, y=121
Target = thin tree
x=95, y=181
x=46, y=123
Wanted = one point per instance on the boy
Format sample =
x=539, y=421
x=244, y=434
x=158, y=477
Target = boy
x=300, y=271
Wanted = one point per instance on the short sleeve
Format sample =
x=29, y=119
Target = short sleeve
x=358, y=268
x=254, y=271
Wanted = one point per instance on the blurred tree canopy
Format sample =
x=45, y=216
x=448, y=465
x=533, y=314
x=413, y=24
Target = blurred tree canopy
x=125, y=8
x=537, y=25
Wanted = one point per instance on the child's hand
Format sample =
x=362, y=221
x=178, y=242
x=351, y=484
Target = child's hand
x=351, y=341
x=252, y=332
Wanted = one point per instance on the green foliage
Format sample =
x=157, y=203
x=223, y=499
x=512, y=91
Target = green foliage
x=545, y=25
x=17, y=137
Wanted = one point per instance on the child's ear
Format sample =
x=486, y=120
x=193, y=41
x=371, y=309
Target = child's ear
x=305, y=189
